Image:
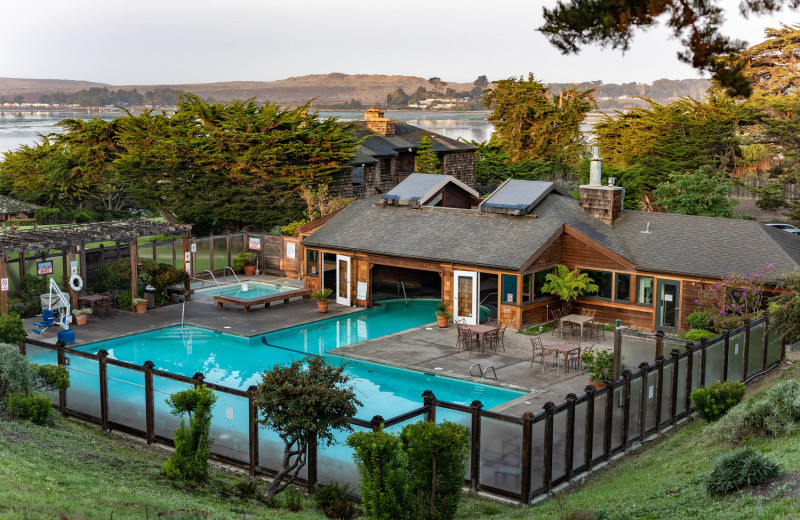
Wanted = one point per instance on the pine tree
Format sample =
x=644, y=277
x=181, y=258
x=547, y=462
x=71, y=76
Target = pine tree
x=426, y=159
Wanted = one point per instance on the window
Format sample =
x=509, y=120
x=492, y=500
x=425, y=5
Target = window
x=357, y=175
x=527, y=288
x=644, y=290
x=509, y=294
x=539, y=279
x=604, y=282
x=312, y=262
x=623, y=290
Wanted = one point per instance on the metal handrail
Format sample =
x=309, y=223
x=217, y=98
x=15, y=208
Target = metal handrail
x=487, y=297
x=480, y=371
x=493, y=372
x=232, y=272
x=403, y=285
x=212, y=277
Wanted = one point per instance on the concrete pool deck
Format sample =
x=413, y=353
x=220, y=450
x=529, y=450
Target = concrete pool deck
x=426, y=348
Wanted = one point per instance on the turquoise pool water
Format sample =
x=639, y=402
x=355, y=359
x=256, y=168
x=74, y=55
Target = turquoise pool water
x=246, y=290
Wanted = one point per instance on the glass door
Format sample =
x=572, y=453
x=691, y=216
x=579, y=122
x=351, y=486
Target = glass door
x=465, y=296
x=668, y=304
x=343, y=280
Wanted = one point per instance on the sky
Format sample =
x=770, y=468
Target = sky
x=201, y=41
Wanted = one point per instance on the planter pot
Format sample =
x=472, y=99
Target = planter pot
x=598, y=386
x=80, y=319
x=249, y=270
x=443, y=321
x=141, y=308
x=322, y=306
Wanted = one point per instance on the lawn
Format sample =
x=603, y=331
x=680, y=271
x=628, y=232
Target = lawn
x=79, y=471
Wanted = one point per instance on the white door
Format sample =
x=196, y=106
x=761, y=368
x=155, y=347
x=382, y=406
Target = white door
x=465, y=296
x=343, y=280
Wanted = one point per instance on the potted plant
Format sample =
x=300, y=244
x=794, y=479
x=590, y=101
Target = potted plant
x=81, y=315
x=140, y=304
x=443, y=315
x=245, y=263
x=568, y=286
x=322, y=299
x=600, y=365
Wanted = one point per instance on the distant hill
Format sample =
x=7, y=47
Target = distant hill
x=334, y=88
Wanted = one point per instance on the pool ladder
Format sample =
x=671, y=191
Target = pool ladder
x=403, y=285
x=212, y=277
x=482, y=373
x=232, y=272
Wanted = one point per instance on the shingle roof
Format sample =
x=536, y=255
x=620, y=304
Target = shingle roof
x=422, y=186
x=9, y=206
x=517, y=196
x=405, y=136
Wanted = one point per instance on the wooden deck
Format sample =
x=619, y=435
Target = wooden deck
x=266, y=300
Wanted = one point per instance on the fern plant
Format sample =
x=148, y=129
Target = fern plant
x=568, y=286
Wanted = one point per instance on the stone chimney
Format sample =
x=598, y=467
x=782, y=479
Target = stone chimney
x=602, y=202
x=375, y=121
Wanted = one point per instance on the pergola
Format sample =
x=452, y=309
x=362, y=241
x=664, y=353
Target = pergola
x=73, y=238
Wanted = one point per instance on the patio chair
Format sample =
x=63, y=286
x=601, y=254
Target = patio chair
x=574, y=357
x=588, y=312
x=556, y=320
x=550, y=359
x=536, y=346
x=492, y=322
x=501, y=333
x=596, y=330
x=578, y=363
x=491, y=340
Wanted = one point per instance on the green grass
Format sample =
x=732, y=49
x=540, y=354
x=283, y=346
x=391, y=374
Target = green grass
x=81, y=472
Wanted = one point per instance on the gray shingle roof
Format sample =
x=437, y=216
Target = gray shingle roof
x=517, y=196
x=422, y=186
x=9, y=206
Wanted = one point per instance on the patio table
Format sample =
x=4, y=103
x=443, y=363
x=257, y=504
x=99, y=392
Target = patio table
x=563, y=349
x=577, y=319
x=95, y=302
x=481, y=330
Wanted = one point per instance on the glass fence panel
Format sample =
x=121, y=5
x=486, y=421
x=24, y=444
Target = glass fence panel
x=714, y=361
x=617, y=412
x=651, y=405
x=237, y=245
x=697, y=361
x=462, y=419
x=164, y=253
x=537, y=455
x=164, y=422
x=501, y=454
x=773, y=347
x=126, y=398
x=636, y=350
x=635, y=410
x=735, y=355
x=270, y=450
x=599, y=424
x=666, y=389
x=335, y=463
x=230, y=427
x=202, y=257
x=221, y=252
x=559, y=444
x=579, y=439
x=41, y=355
x=756, y=355
x=83, y=394
x=683, y=369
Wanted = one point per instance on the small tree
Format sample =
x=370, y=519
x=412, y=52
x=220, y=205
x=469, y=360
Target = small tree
x=321, y=202
x=785, y=308
x=12, y=329
x=426, y=160
x=302, y=401
x=735, y=298
x=193, y=441
x=568, y=286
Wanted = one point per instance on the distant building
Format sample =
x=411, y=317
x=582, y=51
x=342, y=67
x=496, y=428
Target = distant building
x=387, y=156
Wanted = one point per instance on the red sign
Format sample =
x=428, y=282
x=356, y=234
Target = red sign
x=44, y=267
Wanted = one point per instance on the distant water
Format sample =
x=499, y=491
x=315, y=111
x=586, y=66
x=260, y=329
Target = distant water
x=18, y=128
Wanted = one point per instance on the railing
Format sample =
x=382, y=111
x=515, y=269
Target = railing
x=513, y=457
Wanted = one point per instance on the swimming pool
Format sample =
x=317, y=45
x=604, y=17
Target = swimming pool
x=245, y=290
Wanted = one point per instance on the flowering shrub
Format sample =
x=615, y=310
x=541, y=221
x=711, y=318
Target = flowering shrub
x=739, y=295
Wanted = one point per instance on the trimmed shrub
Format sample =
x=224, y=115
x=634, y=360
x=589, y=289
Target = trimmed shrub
x=737, y=469
x=730, y=322
x=699, y=320
x=17, y=375
x=334, y=501
x=696, y=334
x=12, y=330
x=437, y=456
x=38, y=408
x=383, y=468
x=712, y=402
x=51, y=377
x=777, y=413
x=192, y=441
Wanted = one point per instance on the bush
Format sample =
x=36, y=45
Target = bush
x=51, y=377
x=192, y=441
x=383, y=468
x=292, y=228
x=777, y=413
x=712, y=402
x=12, y=330
x=17, y=375
x=696, y=334
x=740, y=468
x=54, y=216
x=730, y=322
x=334, y=501
x=437, y=456
x=294, y=500
x=30, y=288
x=125, y=300
x=699, y=320
x=242, y=260
x=38, y=408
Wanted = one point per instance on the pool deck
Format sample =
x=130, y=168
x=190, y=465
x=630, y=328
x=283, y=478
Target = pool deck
x=426, y=348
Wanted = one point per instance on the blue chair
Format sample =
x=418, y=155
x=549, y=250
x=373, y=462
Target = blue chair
x=48, y=318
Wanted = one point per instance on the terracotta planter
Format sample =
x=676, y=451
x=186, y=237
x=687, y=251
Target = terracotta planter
x=322, y=306
x=249, y=270
x=141, y=308
x=80, y=319
x=443, y=321
x=598, y=386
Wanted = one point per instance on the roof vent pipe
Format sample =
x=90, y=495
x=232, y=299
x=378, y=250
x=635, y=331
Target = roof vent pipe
x=596, y=167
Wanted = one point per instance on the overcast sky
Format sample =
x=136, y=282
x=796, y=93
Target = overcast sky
x=198, y=41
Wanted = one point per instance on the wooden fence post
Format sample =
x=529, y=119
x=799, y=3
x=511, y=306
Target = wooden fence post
x=726, y=344
x=475, y=453
x=377, y=423
x=252, y=420
x=149, y=402
x=746, y=353
x=102, y=372
x=429, y=401
x=525, y=488
x=703, y=360
x=588, y=439
x=659, y=343
x=673, y=391
x=211, y=252
x=626, y=408
x=62, y=362
x=548, y=444
x=311, y=461
x=784, y=344
x=659, y=390
x=645, y=368
x=687, y=397
x=228, y=246
x=570, y=440
x=766, y=341
x=23, y=349
x=617, y=352
x=199, y=379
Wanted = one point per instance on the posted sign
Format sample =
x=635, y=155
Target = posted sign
x=3, y=284
x=44, y=267
x=254, y=243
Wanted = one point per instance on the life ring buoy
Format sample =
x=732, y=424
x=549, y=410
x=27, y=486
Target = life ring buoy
x=76, y=283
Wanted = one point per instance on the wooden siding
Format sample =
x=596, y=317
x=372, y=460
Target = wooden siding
x=578, y=253
x=552, y=256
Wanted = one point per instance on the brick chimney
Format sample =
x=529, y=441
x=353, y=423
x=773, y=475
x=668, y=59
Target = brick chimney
x=602, y=202
x=375, y=121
